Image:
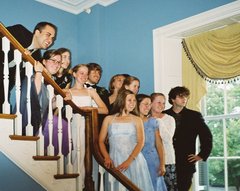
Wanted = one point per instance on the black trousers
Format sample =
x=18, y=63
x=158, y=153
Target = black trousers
x=184, y=180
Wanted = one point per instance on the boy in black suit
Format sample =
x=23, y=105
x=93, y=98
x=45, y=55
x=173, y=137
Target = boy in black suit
x=189, y=125
x=94, y=76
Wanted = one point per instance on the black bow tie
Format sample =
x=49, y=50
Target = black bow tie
x=92, y=86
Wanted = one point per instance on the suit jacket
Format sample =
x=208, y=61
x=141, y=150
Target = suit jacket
x=103, y=93
x=24, y=37
x=189, y=125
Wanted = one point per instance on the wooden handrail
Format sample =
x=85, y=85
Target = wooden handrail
x=30, y=59
x=92, y=146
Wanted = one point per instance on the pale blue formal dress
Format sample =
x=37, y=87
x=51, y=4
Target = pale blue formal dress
x=151, y=155
x=122, y=140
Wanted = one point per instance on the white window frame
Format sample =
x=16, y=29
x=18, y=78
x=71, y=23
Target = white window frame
x=167, y=47
x=223, y=118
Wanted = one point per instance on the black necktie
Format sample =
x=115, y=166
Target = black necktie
x=89, y=85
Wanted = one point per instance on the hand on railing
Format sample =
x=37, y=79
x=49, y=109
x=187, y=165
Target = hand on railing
x=108, y=163
x=27, y=52
x=38, y=67
x=68, y=94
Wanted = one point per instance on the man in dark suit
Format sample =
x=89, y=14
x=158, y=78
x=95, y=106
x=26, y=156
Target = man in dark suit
x=189, y=125
x=94, y=76
x=42, y=37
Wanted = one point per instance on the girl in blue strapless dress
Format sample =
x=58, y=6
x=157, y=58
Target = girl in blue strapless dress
x=153, y=148
x=126, y=139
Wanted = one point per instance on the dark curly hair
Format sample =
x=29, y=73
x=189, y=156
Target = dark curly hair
x=178, y=91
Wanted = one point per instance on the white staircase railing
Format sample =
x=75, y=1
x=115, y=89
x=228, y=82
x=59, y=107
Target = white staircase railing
x=43, y=172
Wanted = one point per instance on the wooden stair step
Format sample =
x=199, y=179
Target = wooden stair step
x=64, y=176
x=7, y=116
x=46, y=157
x=23, y=138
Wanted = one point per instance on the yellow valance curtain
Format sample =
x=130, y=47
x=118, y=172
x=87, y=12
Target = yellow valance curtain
x=215, y=54
x=193, y=82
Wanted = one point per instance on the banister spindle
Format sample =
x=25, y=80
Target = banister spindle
x=69, y=114
x=59, y=102
x=50, y=148
x=29, y=72
x=5, y=48
x=17, y=60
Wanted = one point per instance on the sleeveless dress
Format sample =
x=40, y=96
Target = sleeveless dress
x=151, y=155
x=122, y=140
x=78, y=128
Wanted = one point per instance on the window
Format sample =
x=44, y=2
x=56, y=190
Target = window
x=221, y=108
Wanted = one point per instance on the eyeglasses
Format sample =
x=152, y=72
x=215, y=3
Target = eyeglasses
x=55, y=61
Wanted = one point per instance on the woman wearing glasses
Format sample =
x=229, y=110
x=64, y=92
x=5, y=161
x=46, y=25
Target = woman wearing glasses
x=51, y=63
x=64, y=75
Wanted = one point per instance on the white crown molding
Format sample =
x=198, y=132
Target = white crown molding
x=208, y=20
x=76, y=6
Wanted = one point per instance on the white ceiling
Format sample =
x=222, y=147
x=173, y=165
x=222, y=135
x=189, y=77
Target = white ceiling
x=76, y=6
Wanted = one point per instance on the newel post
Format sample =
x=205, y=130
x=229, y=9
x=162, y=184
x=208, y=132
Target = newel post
x=89, y=184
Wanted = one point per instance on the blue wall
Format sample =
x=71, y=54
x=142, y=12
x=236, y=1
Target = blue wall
x=30, y=12
x=10, y=172
x=119, y=37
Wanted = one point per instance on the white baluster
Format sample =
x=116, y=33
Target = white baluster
x=18, y=59
x=102, y=171
x=112, y=181
x=121, y=187
x=59, y=103
x=29, y=72
x=50, y=148
x=69, y=114
x=40, y=143
x=5, y=48
x=77, y=154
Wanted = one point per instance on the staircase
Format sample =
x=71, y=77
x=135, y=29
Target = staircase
x=25, y=151
x=21, y=152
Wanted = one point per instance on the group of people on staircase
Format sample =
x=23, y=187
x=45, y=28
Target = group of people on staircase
x=155, y=148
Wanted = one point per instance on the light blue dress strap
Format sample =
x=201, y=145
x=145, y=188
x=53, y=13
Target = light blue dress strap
x=115, y=115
